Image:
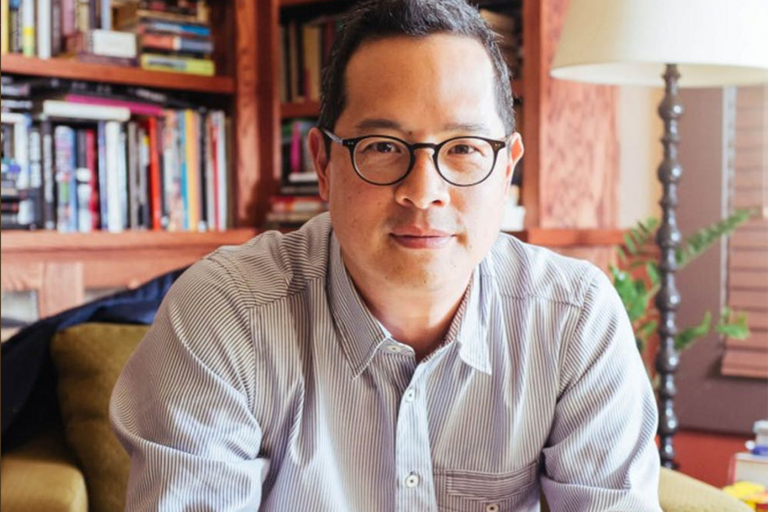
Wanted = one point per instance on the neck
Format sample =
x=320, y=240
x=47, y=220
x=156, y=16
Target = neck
x=418, y=318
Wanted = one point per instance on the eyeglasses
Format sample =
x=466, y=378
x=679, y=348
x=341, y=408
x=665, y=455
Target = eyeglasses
x=383, y=160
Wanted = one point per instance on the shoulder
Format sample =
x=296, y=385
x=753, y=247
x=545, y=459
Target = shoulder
x=525, y=271
x=273, y=265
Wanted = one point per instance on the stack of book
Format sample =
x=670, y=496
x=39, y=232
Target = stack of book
x=509, y=29
x=165, y=35
x=305, y=49
x=77, y=160
x=298, y=200
x=172, y=35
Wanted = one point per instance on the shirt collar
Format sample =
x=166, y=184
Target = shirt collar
x=361, y=334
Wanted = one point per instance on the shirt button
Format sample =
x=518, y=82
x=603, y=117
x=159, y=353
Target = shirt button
x=492, y=507
x=394, y=349
x=410, y=394
x=412, y=480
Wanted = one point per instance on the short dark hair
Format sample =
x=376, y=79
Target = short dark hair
x=373, y=20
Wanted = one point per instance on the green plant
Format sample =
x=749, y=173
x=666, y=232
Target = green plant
x=638, y=281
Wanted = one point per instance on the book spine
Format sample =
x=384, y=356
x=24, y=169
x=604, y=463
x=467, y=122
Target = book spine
x=122, y=177
x=112, y=157
x=82, y=185
x=143, y=178
x=210, y=175
x=93, y=13
x=82, y=16
x=28, y=27
x=36, y=175
x=106, y=15
x=133, y=178
x=93, y=184
x=154, y=175
x=68, y=18
x=190, y=206
x=170, y=176
x=101, y=147
x=64, y=140
x=55, y=27
x=4, y=27
x=49, y=199
x=14, y=29
x=198, y=149
x=43, y=29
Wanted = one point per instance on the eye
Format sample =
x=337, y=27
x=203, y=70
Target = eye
x=381, y=147
x=463, y=149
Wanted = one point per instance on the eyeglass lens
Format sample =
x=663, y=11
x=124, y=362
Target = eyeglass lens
x=463, y=161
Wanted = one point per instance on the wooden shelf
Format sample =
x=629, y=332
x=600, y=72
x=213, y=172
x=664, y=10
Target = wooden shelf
x=300, y=109
x=14, y=242
x=74, y=70
x=289, y=3
x=571, y=237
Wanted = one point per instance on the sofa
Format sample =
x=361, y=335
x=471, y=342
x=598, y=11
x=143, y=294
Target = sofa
x=77, y=465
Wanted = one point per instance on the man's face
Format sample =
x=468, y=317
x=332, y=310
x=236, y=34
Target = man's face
x=421, y=234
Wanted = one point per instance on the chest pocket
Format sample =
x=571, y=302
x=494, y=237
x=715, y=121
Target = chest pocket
x=472, y=491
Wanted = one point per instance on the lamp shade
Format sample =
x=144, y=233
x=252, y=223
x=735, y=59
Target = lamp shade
x=629, y=42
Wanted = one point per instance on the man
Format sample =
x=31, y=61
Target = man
x=399, y=354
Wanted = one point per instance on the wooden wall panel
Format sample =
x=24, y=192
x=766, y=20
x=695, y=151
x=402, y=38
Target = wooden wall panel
x=578, y=149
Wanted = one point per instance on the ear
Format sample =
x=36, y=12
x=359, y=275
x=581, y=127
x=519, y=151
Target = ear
x=321, y=161
x=516, y=151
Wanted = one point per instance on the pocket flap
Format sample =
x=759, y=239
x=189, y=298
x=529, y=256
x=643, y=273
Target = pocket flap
x=488, y=486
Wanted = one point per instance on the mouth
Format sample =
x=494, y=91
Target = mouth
x=413, y=237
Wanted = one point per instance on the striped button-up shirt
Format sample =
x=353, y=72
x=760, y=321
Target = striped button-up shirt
x=266, y=384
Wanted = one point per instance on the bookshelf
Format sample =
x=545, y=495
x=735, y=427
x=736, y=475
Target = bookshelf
x=559, y=161
x=69, y=69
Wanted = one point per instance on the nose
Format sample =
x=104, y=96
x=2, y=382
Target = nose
x=423, y=187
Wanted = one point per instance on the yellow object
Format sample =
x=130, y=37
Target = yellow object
x=750, y=493
x=88, y=360
x=4, y=12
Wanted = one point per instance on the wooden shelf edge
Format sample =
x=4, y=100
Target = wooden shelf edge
x=74, y=70
x=14, y=242
x=288, y=3
x=300, y=109
x=571, y=237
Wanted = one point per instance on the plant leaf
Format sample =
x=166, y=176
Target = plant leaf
x=733, y=324
x=689, y=335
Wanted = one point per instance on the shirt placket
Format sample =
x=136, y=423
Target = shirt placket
x=413, y=458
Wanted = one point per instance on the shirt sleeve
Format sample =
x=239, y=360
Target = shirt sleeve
x=183, y=405
x=601, y=454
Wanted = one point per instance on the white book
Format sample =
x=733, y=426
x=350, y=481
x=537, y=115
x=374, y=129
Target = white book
x=28, y=27
x=112, y=43
x=222, y=157
x=43, y=30
x=112, y=135
x=122, y=178
x=58, y=108
x=750, y=468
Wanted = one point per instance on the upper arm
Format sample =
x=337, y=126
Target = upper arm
x=183, y=405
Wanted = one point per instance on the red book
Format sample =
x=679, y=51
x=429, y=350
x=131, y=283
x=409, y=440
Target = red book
x=94, y=206
x=156, y=209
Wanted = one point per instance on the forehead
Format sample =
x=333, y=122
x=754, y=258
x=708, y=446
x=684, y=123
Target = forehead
x=422, y=83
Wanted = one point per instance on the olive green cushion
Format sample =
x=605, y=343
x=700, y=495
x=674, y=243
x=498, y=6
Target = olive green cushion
x=681, y=493
x=88, y=360
x=41, y=476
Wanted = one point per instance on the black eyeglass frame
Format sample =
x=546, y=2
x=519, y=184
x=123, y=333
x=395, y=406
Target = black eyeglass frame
x=352, y=143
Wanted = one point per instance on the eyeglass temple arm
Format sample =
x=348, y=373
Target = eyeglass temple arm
x=332, y=136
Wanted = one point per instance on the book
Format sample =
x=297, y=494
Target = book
x=748, y=467
x=64, y=109
x=65, y=162
x=155, y=190
x=43, y=28
x=112, y=184
x=175, y=43
x=159, y=62
x=150, y=25
x=4, y=27
x=14, y=26
x=106, y=43
x=49, y=200
x=27, y=9
x=135, y=107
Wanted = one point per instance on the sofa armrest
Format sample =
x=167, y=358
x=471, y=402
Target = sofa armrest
x=42, y=476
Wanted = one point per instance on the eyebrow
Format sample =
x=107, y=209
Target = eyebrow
x=389, y=124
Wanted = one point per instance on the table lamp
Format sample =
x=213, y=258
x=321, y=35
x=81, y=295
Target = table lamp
x=669, y=43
